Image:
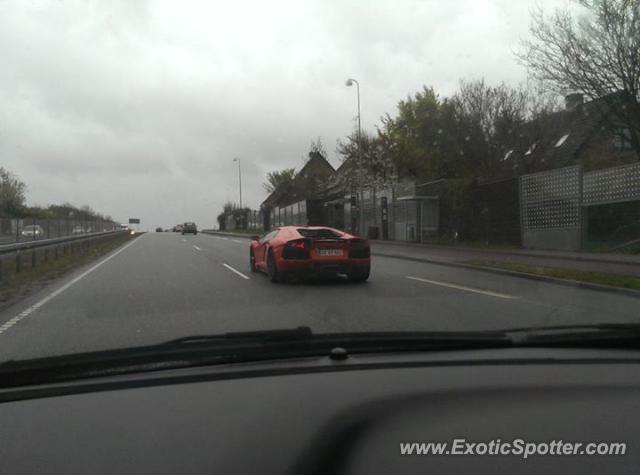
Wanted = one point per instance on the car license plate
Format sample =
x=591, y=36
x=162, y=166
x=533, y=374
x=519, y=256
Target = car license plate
x=329, y=252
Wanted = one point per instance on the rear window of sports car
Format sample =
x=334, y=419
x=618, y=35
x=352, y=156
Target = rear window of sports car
x=319, y=233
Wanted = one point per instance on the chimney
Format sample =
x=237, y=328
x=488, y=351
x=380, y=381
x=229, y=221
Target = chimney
x=573, y=100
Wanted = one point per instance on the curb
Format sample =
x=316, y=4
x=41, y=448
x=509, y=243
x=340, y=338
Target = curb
x=514, y=252
x=522, y=275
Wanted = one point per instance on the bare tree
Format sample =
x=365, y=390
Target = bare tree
x=377, y=166
x=597, y=53
x=317, y=147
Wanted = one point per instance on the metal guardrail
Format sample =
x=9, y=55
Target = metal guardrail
x=66, y=244
x=43, y=243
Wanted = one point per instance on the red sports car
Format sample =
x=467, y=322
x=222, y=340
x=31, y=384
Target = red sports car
x=310, y=251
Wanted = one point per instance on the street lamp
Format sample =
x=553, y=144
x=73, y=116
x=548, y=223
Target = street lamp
x=350, y=82
x=239, y=179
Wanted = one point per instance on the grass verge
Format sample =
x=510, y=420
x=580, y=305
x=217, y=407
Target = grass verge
x=15, y=286
x=444, y=241
x=612, y=280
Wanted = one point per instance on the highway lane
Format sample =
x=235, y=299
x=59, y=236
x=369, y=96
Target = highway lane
x=164, y=286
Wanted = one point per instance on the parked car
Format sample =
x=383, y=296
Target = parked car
x=177, y=228
x=158, y=230
x=32, y=231
x=189, y=228
x=77, y=230
x=309, y=251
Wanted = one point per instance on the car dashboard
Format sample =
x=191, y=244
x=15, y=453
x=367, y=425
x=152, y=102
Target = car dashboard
x=321, y=415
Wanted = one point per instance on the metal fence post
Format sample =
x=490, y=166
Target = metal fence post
x=582, y=222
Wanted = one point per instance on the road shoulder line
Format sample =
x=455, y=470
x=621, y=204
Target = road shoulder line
x=522, y=275
x=25, y=313
x=235, y=271
x=463, y=287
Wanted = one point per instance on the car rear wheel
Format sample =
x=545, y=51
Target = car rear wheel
x=272, y=268
x=359, y=274
x=252, y=261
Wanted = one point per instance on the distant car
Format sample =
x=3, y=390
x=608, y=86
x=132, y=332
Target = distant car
x=77, y=230
x=158, y=230
x=310, y=251
x=33, y=231
x=177, y=228
x=189, y=228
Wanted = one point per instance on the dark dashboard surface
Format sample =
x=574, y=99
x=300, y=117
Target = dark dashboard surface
x=321, y=416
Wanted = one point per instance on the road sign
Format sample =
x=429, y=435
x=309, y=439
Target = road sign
x=134, y=220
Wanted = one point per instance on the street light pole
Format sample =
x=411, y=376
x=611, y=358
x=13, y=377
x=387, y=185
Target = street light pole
x=359, y=193
x=239, y=179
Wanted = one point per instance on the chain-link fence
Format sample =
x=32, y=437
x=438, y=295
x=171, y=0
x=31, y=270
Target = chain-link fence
x=32, y=229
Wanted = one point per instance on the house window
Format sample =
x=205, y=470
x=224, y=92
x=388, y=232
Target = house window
x=531, y=149
x=562, y=140
x=622, y=138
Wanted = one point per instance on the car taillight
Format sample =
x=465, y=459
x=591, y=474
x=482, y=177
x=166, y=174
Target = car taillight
x=298, y=249
x=298, y=244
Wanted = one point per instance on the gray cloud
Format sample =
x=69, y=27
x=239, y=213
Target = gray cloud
x=138, y=108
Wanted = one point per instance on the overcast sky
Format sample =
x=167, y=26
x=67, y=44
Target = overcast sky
x=138, y=108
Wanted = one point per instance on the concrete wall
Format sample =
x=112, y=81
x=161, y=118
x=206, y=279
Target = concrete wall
x=558, y=239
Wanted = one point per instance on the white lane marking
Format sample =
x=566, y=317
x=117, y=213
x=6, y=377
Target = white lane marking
x=236, y=271
x=462, y=287
x=25, y=313
x=239, y=242
x=197, y=248
x=184, y=240
x=225, y=238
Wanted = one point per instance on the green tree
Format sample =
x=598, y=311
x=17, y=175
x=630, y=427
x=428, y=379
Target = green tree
x=12, y=194
x=279, y=179
x=413, y=138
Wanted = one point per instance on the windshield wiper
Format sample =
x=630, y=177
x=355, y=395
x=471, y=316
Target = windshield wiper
x=289, y=334
x=236, y=347
x=586, y=335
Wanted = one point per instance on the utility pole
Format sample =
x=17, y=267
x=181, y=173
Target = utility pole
x=359, y=192
x=239, y=179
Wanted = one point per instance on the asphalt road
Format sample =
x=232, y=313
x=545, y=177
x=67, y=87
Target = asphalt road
x=163, y=286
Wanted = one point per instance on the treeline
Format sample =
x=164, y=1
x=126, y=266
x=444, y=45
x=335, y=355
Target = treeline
x=469, y=133
x=238, y=215
x=430, y=136
x=13, y=204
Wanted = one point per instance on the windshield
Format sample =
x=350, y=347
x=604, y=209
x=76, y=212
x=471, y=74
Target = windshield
x=460, y=166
